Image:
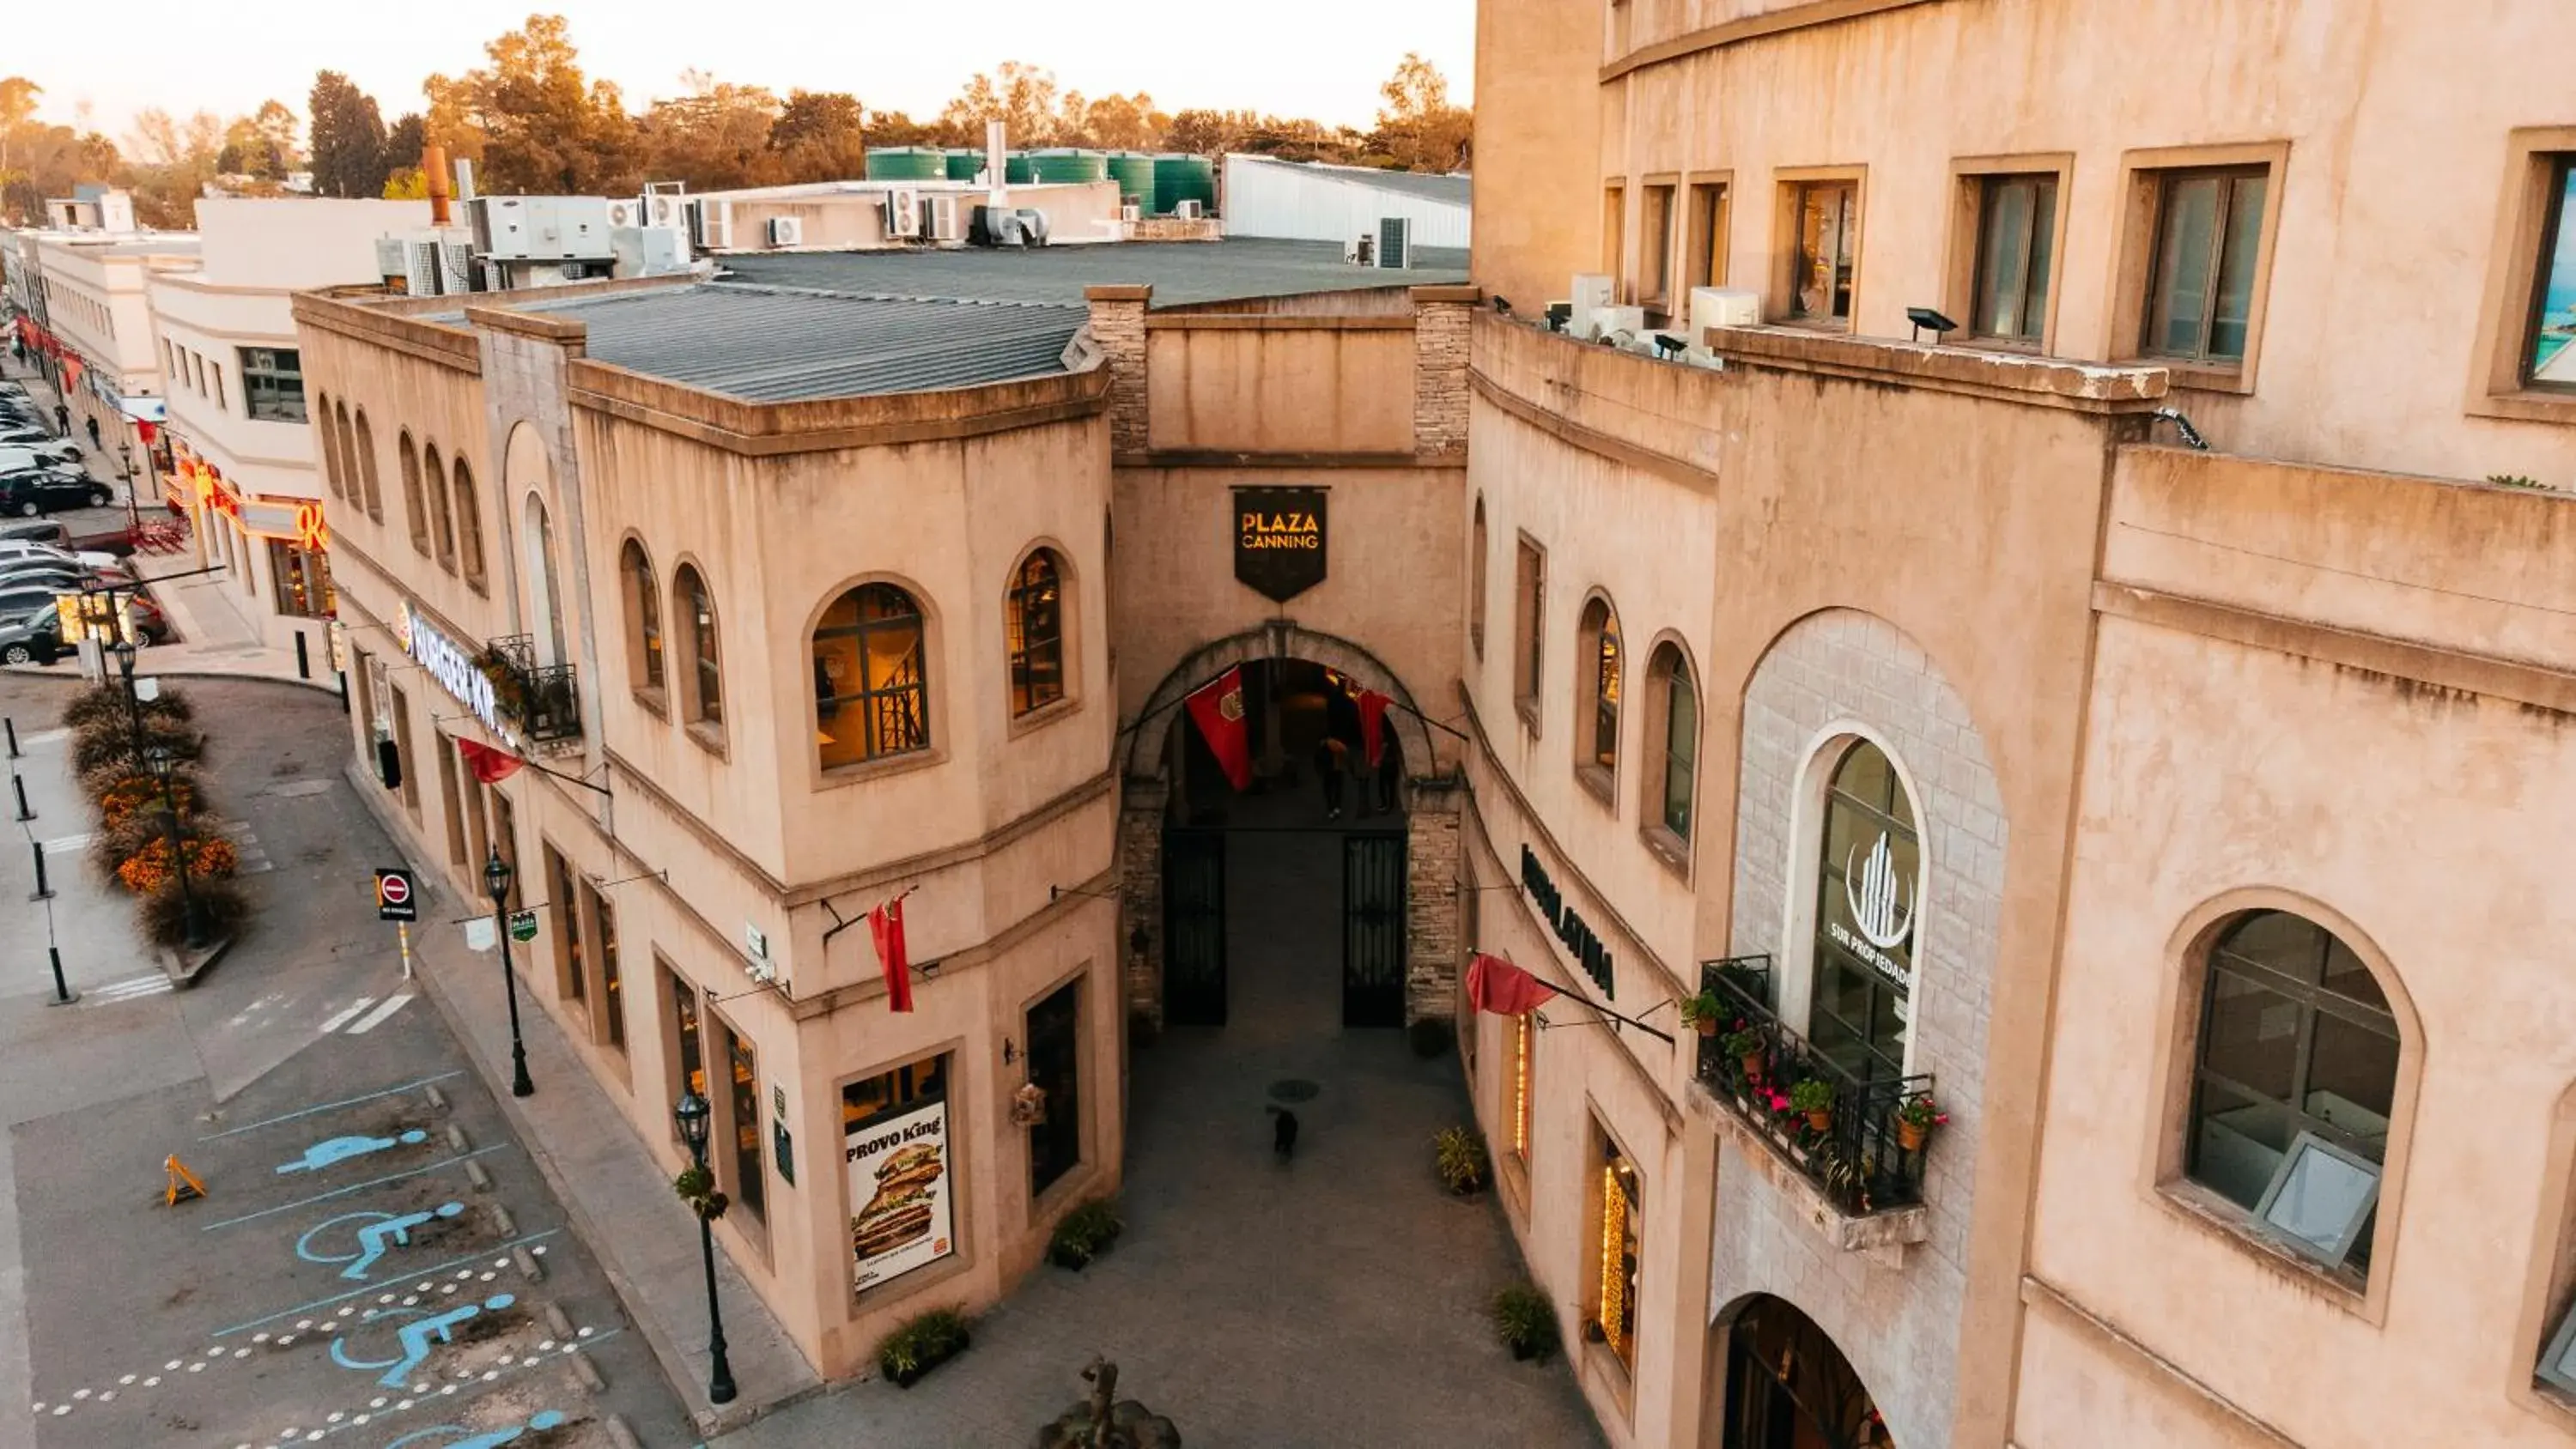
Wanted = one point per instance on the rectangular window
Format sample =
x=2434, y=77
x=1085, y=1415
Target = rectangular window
x=688, y=1048
x=402, y=749
x=478, y=838
x=572, y=974
x=2016, y=244
x=750, y=1179
x=1614, y=236
x=1055, y=1068
x=1827, y=247
x=894, y=1140
x=300, y=581
x=2548, y=360
x=453, y=807
x=1655, y=247
x=272, y=383
x=218, y=370
x=197, y=366
x=1707, y=246
x=1524, y=1059
x=1621, y=1251
x=1529, y=606
x=2208, y=241
x=612, y=994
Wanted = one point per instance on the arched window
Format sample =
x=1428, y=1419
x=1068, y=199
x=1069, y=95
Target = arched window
x=415, y=507
x=1869, y=884
x=442, y=522
x=1674, y=702
x=364, y=440
x=871, y=686
x=703, y=681
x=1596, y=714
x=545, y=589
x=328, y=435
x=1476, y=583
x=643, y=621
x=469, y=528
x=2294, y=1085
x=1033, y=627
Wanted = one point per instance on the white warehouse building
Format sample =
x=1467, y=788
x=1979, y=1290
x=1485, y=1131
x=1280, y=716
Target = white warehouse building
x=1314, y=201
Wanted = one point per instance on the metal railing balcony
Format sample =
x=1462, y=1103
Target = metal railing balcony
x=1854, y=1149
x=544, y=701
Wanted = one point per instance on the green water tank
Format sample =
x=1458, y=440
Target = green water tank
x=1179, y=177
x=907, y=163
x=1134, y=172
x=1017, y=169
x=964, y=163
x=1063, y=163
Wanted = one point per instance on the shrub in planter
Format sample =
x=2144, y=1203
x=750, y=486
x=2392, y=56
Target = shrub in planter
x=1815, y=1097
x=1084, y=1233
x=1702, y=1011
x=1459, y=1155
x=1431, y=1036
x=115, y=844
x=107, y=701
x=221, y=902
x=127, y=793
x=1525, y=1322
x=148, y=869
x=697, y=1187
x=921, y=1343
x=109, y=744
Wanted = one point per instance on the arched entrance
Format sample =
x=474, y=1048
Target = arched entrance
x=1321, y=895
x=1788, y=1385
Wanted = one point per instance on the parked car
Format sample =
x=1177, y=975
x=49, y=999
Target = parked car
x=16, y=548
x=17, y=599
x=36, y=530
x=17, y=456
x=34, y=637
x=42, y=490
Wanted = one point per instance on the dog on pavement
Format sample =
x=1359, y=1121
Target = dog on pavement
x=1283, y=1132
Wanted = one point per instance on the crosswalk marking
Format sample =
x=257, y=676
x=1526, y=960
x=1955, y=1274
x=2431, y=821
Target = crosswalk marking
x=66, y=845
x=128, y=990
x=376, y=1018
x=348, y=1014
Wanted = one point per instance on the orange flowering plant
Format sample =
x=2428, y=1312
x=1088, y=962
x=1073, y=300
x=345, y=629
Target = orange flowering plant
x=149, y=869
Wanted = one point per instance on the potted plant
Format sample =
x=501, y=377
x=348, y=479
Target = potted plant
x=1459, y=1155
x=1745, y=1045
x=921, y=1343
x=1915, y=1119
x=1815, y=1097
x=697, y=1187
x=1084, y=1233
x=1702, y=1011
x=1525, y=1322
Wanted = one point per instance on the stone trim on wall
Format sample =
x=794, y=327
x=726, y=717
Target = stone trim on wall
x=1118, y=330
x=1441, y=317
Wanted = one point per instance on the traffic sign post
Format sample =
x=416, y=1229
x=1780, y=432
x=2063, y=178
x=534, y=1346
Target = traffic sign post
x=399, y=902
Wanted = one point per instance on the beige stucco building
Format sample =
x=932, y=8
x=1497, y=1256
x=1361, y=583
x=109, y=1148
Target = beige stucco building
x=89, y=291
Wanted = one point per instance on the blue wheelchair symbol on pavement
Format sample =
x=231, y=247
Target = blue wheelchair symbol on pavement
x=416, y=1337
x=380, y=1233
x=492, y=1440
x=340, y=1149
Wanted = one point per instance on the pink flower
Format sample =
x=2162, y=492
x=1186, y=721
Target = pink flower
x=1779, y=1100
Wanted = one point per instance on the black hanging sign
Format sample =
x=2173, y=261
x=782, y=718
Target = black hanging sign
x=1279, y=540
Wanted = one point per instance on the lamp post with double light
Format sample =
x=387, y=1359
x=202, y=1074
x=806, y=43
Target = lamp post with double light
x=693, y=1115
x=192, y=918
x=124, y=651
x=496, y=880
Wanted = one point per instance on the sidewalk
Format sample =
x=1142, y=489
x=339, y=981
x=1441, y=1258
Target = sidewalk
x=618, y=1197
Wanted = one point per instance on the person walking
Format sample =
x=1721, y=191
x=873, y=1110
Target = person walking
x=94, y=443
x=1332, y=765
x=62, y=420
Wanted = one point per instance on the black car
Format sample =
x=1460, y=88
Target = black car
x=31, y=491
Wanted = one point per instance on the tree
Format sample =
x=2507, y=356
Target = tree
x=539, y=126
x=1118, y=123
x=260, y=145
x=173, y=161
x=348, y=139
x=1022, y=97
x=820, y=136
x=894, y=128
x=1417, y=127
x=38, y=160
x=715, y=138
x=406, y=140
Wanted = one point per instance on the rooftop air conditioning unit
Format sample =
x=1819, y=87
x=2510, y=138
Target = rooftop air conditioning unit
x=903, y=212
x=625, y=213
x=486, y=227
x=1131, y=212
x=420, y=273
x=1187, y=210
x=393, y=261
x=456, y=268
x=711, y=224
x=1395, y=241
x=1360, y=251
x=1592, y=291
x=1033, y=225
x=1723, y=307
x=943, y=219
x=662, y=208
x=786, y=231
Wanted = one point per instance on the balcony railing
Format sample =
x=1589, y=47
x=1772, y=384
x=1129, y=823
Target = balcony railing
x=543, y=701
x=1855, y=1150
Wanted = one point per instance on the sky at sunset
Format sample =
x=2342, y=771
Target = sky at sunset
x=1319, y=58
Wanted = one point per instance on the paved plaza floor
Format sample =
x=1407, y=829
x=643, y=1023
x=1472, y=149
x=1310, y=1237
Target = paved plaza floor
x=1335, y=1300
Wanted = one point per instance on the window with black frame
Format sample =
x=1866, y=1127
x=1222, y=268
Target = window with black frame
x=1034, y=626
x=273, y=383
x=2294, y=1084
x=1055, y=1068
x=1868, y=884
x=871, y=685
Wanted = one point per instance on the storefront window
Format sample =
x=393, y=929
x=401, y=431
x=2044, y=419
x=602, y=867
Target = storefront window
x=1867, y=888
x=894, y=1146
x=684, y=1026
x=611, y=984
x=1789, y=1386
x=571, y=973
x=1055, y=1068
x=302, y=578
x=1621, y=1253
x=1524, y=1047
x=751, y=1184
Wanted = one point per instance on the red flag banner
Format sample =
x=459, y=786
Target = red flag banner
x=1499, y=988
x=489, y=765
x=1218, y=707
x=886, y=924
x=1373, y=725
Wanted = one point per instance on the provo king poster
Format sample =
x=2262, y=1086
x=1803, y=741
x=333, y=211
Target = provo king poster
x=899, y=1183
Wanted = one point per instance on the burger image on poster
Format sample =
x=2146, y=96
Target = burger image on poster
x=898, y=1172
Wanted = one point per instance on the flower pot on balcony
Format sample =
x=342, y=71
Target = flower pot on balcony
x=1753, y=1066
x=1820, y=1118
x=1707, y=1025
x=1910, y=1135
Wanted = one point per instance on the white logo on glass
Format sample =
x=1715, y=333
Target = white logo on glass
x=1878, y=906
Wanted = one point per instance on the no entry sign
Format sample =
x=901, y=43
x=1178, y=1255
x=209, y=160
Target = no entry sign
x=396, y=899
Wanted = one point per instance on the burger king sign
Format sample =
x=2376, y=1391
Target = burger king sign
x=899, y=1180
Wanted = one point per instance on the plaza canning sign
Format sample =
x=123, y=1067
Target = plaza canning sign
x=1279, y=538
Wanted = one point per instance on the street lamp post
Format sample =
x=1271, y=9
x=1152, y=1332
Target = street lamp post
x=159, y=757
x=125, y=461
x=124, y=650
x=693, y=1114
x=496, y=880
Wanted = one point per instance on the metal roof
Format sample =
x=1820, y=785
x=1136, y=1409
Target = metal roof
x=787, y=326
x=772, y=344
x=1455, y=190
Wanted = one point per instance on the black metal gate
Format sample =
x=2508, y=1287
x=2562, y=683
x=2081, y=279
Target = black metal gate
x=1373, y=930
x=1194, y=927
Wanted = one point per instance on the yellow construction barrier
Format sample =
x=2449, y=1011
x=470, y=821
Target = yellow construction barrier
x=183, y=1183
